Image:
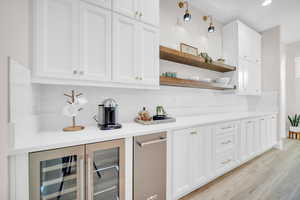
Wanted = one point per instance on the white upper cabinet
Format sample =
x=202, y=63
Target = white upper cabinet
x=149, y=11
x=149, y=54
x=126, y=7
x=242, y=48
x=146, y=11
x=83, y=42
x=102, y=3
x=56, y=34
x=135, y=52
x=95, y=43
x=125, y=32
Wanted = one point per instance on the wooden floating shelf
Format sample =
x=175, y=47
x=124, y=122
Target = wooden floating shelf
x=190, y=83
x=188, y=59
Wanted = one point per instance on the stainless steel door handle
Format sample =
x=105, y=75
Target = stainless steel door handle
x=142, y=144
x=82, y=175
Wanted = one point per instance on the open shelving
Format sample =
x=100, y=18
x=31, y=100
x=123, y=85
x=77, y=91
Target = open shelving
x=196, y=61
x=167, y=81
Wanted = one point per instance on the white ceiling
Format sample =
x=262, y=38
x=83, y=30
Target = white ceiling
x=281, y=12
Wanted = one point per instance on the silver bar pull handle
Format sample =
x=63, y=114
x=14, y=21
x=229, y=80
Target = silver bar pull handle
x=82, y=175
x=142, y=144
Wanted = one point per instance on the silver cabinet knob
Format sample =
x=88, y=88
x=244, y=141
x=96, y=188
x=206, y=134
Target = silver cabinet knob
x=141, y=14
x=75, y=71
x=141, y=78
x=136, y=13
x=81, y=72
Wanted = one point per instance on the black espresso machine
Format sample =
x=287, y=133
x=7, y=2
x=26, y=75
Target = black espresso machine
x=107, y=118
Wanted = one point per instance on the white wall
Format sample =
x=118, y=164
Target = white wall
x=271, y=59
x=14, y=40
x=193, y=33
x=293, y=83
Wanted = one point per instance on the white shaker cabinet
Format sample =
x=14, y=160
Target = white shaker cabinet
x=80, y=42
x=190, y=159
x=149, y=12
x=95, y=43
x=73, y=41
x=135, y=52
x=148, y=51
x=146, y=11
x=56, y=47
x=180, y=163
x=126, y=7
x=125, y=49
x=249, y=130
x=242, y=48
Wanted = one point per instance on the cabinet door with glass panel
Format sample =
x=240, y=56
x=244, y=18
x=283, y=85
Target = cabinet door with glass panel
x=57, y=174
x=105, y=170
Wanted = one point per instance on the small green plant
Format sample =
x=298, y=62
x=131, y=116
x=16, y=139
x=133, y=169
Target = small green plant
x=295, y=120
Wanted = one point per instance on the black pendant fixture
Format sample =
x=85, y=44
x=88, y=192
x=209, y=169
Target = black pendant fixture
x=211, y=27
x=187, y=14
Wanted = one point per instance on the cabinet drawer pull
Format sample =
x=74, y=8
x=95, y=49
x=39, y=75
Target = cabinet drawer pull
x=142, y=144
x=227, y=142
x=194, y=133
x=227, y=161
x=81, y=72
x=141, y=14
x=227, y=127
x=75, y=71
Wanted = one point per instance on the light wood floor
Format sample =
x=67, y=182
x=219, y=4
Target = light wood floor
x=273, y=176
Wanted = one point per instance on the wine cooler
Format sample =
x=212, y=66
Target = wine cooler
x=86, y=172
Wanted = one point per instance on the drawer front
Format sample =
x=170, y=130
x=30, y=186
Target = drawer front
x=225, y=159
x=225, y=142
x=226, y=127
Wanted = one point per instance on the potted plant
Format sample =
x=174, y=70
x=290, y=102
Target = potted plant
x=294, y=123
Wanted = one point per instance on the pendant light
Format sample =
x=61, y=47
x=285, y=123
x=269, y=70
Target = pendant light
x=211, y=27
x=187, y=14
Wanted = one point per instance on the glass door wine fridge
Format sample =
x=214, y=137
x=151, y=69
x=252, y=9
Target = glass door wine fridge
x=86, y=172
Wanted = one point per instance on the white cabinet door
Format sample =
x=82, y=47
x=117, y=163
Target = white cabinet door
x=56, y=40
x=126, y=7
x=125, y=32
x=264, y=133
x=247, y=139
x=252, y=78
x=257, y=46
x=149, y=55
x=199, y=155
x=273, y=130
x=244, y=38
x=102, y=3
x=149, y=11
x=249, y=77
x=180, y=162
x=95, y=40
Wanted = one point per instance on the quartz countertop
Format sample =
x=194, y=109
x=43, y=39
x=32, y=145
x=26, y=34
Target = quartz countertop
x=58, y=139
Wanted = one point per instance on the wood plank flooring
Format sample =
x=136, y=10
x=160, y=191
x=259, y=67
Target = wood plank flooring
x=273, y=176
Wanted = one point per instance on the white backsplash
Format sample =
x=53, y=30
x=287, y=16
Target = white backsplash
x=177, y=101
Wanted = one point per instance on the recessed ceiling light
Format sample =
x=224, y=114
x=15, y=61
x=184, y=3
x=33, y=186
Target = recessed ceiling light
x=266, y=2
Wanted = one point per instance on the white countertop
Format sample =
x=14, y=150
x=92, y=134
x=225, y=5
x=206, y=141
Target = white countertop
x=59, y=139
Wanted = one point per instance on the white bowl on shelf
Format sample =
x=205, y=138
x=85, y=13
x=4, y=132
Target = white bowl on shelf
x=223, y=80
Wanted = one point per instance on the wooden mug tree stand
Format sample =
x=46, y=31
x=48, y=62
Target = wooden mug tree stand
x=74, y=127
